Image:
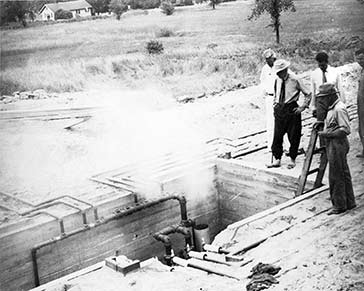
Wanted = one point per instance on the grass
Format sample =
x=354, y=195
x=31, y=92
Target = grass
x=204, y=49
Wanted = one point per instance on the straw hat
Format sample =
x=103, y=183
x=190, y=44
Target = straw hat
x=269, y=53
x=280, y=65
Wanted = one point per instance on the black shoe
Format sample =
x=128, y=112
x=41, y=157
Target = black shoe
x=352, y=207
x=336, y=211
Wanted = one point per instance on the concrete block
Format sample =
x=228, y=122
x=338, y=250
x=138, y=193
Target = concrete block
x=122, y=264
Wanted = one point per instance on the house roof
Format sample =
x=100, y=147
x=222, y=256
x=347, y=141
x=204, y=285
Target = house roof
x=72, y=5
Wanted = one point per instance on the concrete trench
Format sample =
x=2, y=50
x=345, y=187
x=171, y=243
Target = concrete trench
x=233, y=192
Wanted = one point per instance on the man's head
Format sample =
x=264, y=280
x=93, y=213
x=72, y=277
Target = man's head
x=270, y=57
x=322, y=60
x=327, y=95
x=359, y=56
x=281, y=68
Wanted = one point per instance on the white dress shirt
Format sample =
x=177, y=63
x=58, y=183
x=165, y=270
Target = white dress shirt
x=332, y=76
x=267, y=79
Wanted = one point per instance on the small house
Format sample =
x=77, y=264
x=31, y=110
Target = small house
x=79, y=8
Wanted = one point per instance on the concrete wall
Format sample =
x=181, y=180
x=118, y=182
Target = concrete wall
x=244, y=191
x=131, y=235
x=217, y=195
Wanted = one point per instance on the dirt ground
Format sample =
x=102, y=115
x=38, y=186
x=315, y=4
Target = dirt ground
x=40, y=160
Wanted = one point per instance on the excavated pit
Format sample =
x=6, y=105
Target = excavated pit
x=230, y=192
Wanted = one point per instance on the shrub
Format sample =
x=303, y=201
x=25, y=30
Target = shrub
x=164, y=32
x=167, y=8
x=144, y=4
x=182, y=2
x=63, y=14
x=154, y=47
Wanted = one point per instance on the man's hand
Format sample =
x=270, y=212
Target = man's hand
x=314, y=113
x=318, y=125
x=299, y=109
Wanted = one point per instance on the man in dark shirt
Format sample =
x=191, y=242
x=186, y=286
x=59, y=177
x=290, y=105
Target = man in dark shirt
x=335, y=132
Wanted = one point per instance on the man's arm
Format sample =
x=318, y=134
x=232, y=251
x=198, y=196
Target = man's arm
x=343, y=126
x=275, y=93
x=262, y=81
x=303, y=88
x=313, y=90
x=339, y=86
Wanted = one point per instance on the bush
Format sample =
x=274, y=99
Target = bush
x=154, y=47
x=63, y=14
x=182, y=2
x=144, y=4
x=164, y=32
x=167, y=8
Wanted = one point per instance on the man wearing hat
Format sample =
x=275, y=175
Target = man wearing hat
x=359, y=56
x=287, y=112
x=267, y=79
x=335, y=132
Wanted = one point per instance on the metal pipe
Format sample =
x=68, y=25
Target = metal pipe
x=207, y=267
x=164, y=238
x=176, y=229
x=180, y=199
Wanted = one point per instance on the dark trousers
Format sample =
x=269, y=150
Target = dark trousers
x=341, y=188
x=285, y=121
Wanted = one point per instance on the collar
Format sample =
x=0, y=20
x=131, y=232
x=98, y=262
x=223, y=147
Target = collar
x=333, y=105
x=286, y=78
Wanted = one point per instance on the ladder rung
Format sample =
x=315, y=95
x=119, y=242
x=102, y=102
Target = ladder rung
x=313, y=171
x=319, y=150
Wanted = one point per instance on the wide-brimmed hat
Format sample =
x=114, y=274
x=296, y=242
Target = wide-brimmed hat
x=280, y=65
x=326, y=89
x=269, y=53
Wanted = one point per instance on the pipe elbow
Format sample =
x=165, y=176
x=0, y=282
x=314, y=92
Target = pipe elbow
x=163, y=238
x=183, y=230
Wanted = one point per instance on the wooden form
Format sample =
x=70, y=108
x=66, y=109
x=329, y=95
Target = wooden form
x=131, y=235
x=245, y=191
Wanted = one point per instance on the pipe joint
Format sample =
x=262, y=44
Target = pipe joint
x=163, y=238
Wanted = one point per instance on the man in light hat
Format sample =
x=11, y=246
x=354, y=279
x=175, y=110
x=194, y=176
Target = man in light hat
x=287, y=112
x=335, y=132
x=359, y=56
x=267, y=79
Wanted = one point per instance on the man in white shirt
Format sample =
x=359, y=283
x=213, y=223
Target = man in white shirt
x=267, y=79
x=324, y=74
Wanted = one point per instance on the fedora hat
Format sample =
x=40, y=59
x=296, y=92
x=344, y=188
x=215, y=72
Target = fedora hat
x=280, y=65
x=326, y=89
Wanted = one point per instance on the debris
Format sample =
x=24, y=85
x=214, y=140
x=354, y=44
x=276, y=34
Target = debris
x=261, y=282
x=261, y=268
x=262, y=277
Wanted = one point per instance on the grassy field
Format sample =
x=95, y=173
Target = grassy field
x=206, y=49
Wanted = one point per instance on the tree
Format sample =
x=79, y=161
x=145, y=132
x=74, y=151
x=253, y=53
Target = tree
x=15, y=11
x=63, y=14
x=213, y=3
x=100, y=6
x=274, y=8
x=167, y=8
x=118, y=7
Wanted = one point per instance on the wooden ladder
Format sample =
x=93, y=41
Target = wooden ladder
x=320, y=170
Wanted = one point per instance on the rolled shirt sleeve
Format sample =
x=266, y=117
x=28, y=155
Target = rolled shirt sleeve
x=306, y=92
x=342, y=118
